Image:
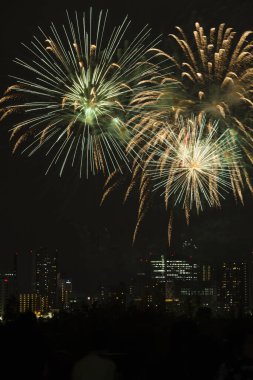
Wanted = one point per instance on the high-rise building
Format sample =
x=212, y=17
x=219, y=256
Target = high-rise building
x=3, y=294
x=64, y=292
x=168, y=269
x=7, y=289
x=33, y=302
x=181, y=270
x=29, y=302
x=25, y=271
x=167, y=277
x=202, y=292
x=139, y=287
x=46, y=275
x=180, y=281
x=233, y=289
x=37, y=274
x=206, y=272
x=158, y=269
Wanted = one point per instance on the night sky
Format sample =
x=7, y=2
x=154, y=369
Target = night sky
x=95, y=243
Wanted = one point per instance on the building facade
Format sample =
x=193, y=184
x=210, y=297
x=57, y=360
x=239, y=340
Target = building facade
x=46, y=267
x=234, y=289
x=64, y=292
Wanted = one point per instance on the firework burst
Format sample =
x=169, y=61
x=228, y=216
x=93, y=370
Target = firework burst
x=189, y=163
x=214, y=74
x=75, y=102
x=217, y=69
x=193, y=164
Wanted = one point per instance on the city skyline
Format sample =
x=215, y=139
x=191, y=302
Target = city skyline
x=64, y=213
x=167, y=282
x=188, y=250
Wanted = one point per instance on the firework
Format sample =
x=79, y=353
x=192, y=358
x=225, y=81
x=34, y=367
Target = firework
x=193, y=164
x=75, y=99
x=214, y=76
x=189, y=163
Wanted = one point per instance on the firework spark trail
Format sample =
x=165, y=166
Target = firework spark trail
x=77, y=102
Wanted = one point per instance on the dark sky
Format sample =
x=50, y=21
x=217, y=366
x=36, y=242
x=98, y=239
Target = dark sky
x=95, y=242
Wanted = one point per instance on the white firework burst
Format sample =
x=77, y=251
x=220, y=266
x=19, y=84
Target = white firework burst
x=75, y=98
x=194, y=165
